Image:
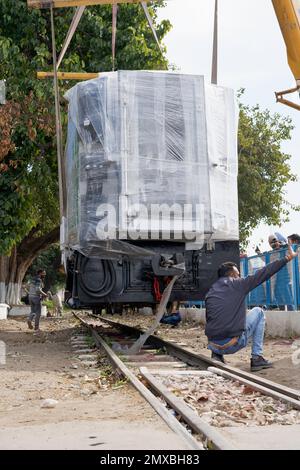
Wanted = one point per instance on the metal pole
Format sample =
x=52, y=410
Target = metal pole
x=61, y=179
x=214, y=72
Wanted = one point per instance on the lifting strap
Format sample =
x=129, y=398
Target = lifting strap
x=114, y=34
x=75, y=21
x=139, y=343
x=150, y=22
x=214, y=68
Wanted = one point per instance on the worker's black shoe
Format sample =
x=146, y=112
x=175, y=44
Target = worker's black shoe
x=259, y=363
x=218, y=357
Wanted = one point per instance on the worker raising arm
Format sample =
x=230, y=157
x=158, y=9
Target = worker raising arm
x=228, y=328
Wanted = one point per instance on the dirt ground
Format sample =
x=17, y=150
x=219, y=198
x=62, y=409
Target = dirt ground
x=90, y=414
x=44, y=366
x=279, y=351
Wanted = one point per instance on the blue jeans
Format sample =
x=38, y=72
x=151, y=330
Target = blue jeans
x=36, y=308
x=255, y=329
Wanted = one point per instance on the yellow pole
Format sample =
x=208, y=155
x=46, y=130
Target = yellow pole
x=68, y=75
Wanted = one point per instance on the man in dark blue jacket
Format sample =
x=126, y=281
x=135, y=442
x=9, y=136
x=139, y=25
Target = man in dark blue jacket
x=228, y=327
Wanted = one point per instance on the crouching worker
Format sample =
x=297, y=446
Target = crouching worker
x=174, y=318
x=228, y=327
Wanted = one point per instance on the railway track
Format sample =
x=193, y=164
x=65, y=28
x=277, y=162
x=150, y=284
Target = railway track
x=161, y=361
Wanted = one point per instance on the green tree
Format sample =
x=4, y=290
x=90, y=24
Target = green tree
x=50, y=261
x=29, y=213
x=264, y=168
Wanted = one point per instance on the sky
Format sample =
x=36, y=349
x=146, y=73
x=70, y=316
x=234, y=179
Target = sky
x=252, y=55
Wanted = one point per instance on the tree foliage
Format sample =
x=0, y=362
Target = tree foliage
x=264, y=168
x=28, y=167
x=50, y=261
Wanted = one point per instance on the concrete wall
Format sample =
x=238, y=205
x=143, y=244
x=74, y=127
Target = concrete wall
x=278, y=324
x=193, y=315
x=3, y=311
x=24, y=310
x=282, y=324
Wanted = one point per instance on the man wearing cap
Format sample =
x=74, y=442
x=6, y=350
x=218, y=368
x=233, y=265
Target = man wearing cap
x=228, y=327
x=275, y=242
x=283, y=294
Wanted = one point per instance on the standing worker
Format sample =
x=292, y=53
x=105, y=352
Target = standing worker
x=36, y=294
x=283, y=292
x=228, y=327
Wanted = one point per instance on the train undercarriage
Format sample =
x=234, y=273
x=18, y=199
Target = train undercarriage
x=97, y=283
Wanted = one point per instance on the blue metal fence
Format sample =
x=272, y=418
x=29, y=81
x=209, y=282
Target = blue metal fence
x=281, y=290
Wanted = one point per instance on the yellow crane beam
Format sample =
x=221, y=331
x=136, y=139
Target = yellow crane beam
x=288, y=14
x=75, y=3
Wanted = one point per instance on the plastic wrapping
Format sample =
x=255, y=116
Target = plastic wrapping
x=140, y=142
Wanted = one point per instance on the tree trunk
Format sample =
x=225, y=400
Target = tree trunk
x=14, y=267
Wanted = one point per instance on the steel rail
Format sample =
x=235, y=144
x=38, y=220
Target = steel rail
x=169, y=419
x=203, y=362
